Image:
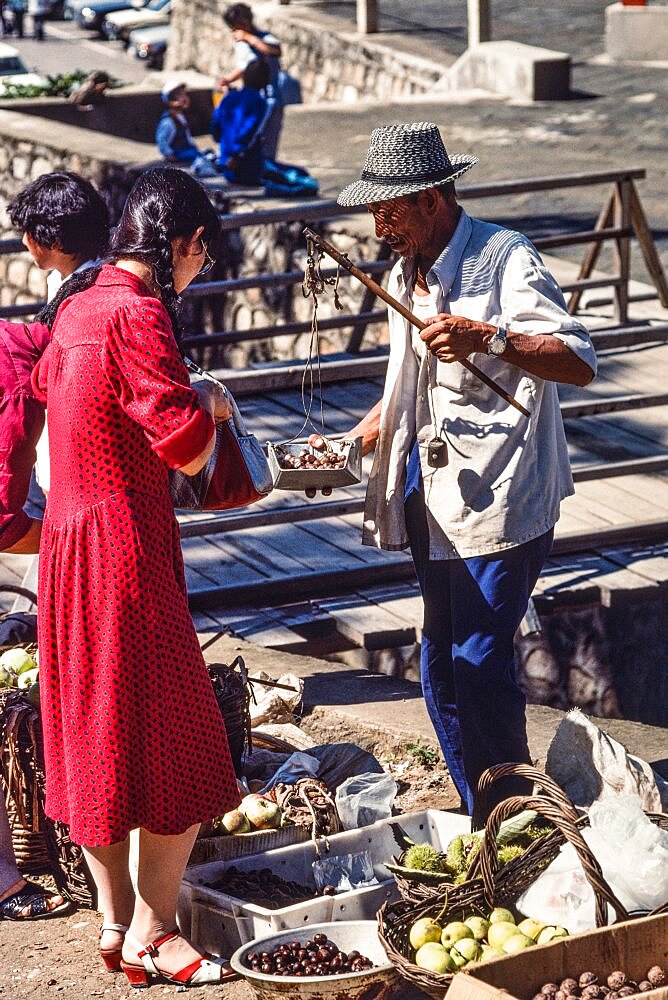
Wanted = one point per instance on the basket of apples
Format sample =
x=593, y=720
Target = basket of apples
x=476, y=920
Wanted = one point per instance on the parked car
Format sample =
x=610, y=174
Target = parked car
x=14, y=70
x=90, y=14
x=150, y=44
x=122, y=22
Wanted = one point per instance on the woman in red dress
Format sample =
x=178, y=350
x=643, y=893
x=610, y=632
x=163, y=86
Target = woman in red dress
x=133, y=736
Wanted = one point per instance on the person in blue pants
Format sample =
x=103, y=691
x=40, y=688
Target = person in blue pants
x=469, y=482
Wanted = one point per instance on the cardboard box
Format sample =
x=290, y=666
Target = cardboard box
x=633, y=947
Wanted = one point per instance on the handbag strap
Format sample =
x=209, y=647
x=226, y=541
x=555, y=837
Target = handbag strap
x=236, y=421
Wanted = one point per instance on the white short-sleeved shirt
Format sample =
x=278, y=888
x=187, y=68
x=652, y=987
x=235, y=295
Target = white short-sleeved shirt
x=244, y=53
x=506, y=473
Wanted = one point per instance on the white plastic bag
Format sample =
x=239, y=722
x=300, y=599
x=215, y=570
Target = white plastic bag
x=632, y=852
x=562, y=896
x=364, y=799
x=633, y=855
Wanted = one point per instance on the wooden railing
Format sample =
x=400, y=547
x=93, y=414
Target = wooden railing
x=620, y=219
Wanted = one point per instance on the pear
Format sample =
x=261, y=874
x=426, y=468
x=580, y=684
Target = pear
x=500, y=932
x=455, y=931
x=467, y=947
x=500, y=913
x=479, y=926
x=531, y=927
x=434, y=957
x=423, y=932
x=517, y=942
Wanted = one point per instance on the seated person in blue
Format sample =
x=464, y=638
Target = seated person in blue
x=172, y=136
x=237, y=125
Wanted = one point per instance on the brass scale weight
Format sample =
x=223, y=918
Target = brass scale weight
x=314, y=284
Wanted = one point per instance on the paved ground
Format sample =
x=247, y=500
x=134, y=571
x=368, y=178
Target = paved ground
x=66, y=47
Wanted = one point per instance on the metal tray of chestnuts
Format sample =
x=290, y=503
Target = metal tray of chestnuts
x=297, y=465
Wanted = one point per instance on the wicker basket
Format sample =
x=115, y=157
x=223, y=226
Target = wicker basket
x=22, y=780
x=493, y=887
x=40, y=845
x=422, y=887
x=233, y=695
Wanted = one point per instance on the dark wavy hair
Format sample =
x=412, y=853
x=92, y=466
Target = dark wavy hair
x=236, y=14
x=64, y=210
x=164, y=203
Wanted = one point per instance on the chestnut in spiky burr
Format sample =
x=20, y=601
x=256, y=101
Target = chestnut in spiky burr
x=656, y=976
x=569, y=987
x=587, y=979
x=591, y=992
x=549, y=990
x=616, y=979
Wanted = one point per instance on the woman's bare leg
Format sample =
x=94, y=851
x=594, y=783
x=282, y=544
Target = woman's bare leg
x=110, y=869
x=162, y=861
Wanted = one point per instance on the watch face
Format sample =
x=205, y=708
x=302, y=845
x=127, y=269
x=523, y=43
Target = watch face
x=497, y=344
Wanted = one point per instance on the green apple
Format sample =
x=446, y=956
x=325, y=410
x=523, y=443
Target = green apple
x=434, y=957
x=551, y=933
x=458, y=960
x=423, y=932
x=531, y=927
x=489, y=953
x=455, y=931
x=28, y=677
x=517, y=942
x=17, y=660
x=479, y=926
x=499, y=913
x=499, y=933
x=467, y=947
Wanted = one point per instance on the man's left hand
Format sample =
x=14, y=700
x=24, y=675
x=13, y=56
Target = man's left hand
x=453, y=338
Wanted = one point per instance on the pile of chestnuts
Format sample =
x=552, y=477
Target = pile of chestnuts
x=312, y=460
x=318, y=957
x=589, y=986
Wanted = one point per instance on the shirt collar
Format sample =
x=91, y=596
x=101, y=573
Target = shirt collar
x=112, y=275
x=446, y=266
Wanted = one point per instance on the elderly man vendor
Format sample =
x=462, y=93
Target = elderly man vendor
x=471, y=484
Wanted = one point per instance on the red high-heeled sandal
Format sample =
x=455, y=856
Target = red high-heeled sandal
x=112, y=957
x=205, y=969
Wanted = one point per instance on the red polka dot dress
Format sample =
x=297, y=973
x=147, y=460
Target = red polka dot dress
x=133, y=736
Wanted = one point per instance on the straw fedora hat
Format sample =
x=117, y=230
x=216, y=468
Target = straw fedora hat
x=403, y=159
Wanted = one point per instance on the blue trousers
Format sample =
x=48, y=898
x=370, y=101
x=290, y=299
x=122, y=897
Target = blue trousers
x=472, y=609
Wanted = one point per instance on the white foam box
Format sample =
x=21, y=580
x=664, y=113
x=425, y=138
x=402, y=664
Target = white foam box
x=219, y=923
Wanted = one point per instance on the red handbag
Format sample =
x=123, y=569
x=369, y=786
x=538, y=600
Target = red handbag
x=236, y=474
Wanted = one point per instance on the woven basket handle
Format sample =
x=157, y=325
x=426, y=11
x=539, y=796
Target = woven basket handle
x=487, y=857
x=549, y=789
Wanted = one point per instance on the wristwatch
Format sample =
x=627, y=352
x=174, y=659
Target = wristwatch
x=496, y=344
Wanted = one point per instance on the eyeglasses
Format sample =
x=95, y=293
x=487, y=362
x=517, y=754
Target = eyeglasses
x=208, y=263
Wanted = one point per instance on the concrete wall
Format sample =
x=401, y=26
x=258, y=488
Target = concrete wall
x=324, y=59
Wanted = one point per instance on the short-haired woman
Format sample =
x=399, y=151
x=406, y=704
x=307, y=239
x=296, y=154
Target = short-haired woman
x=133, y=736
